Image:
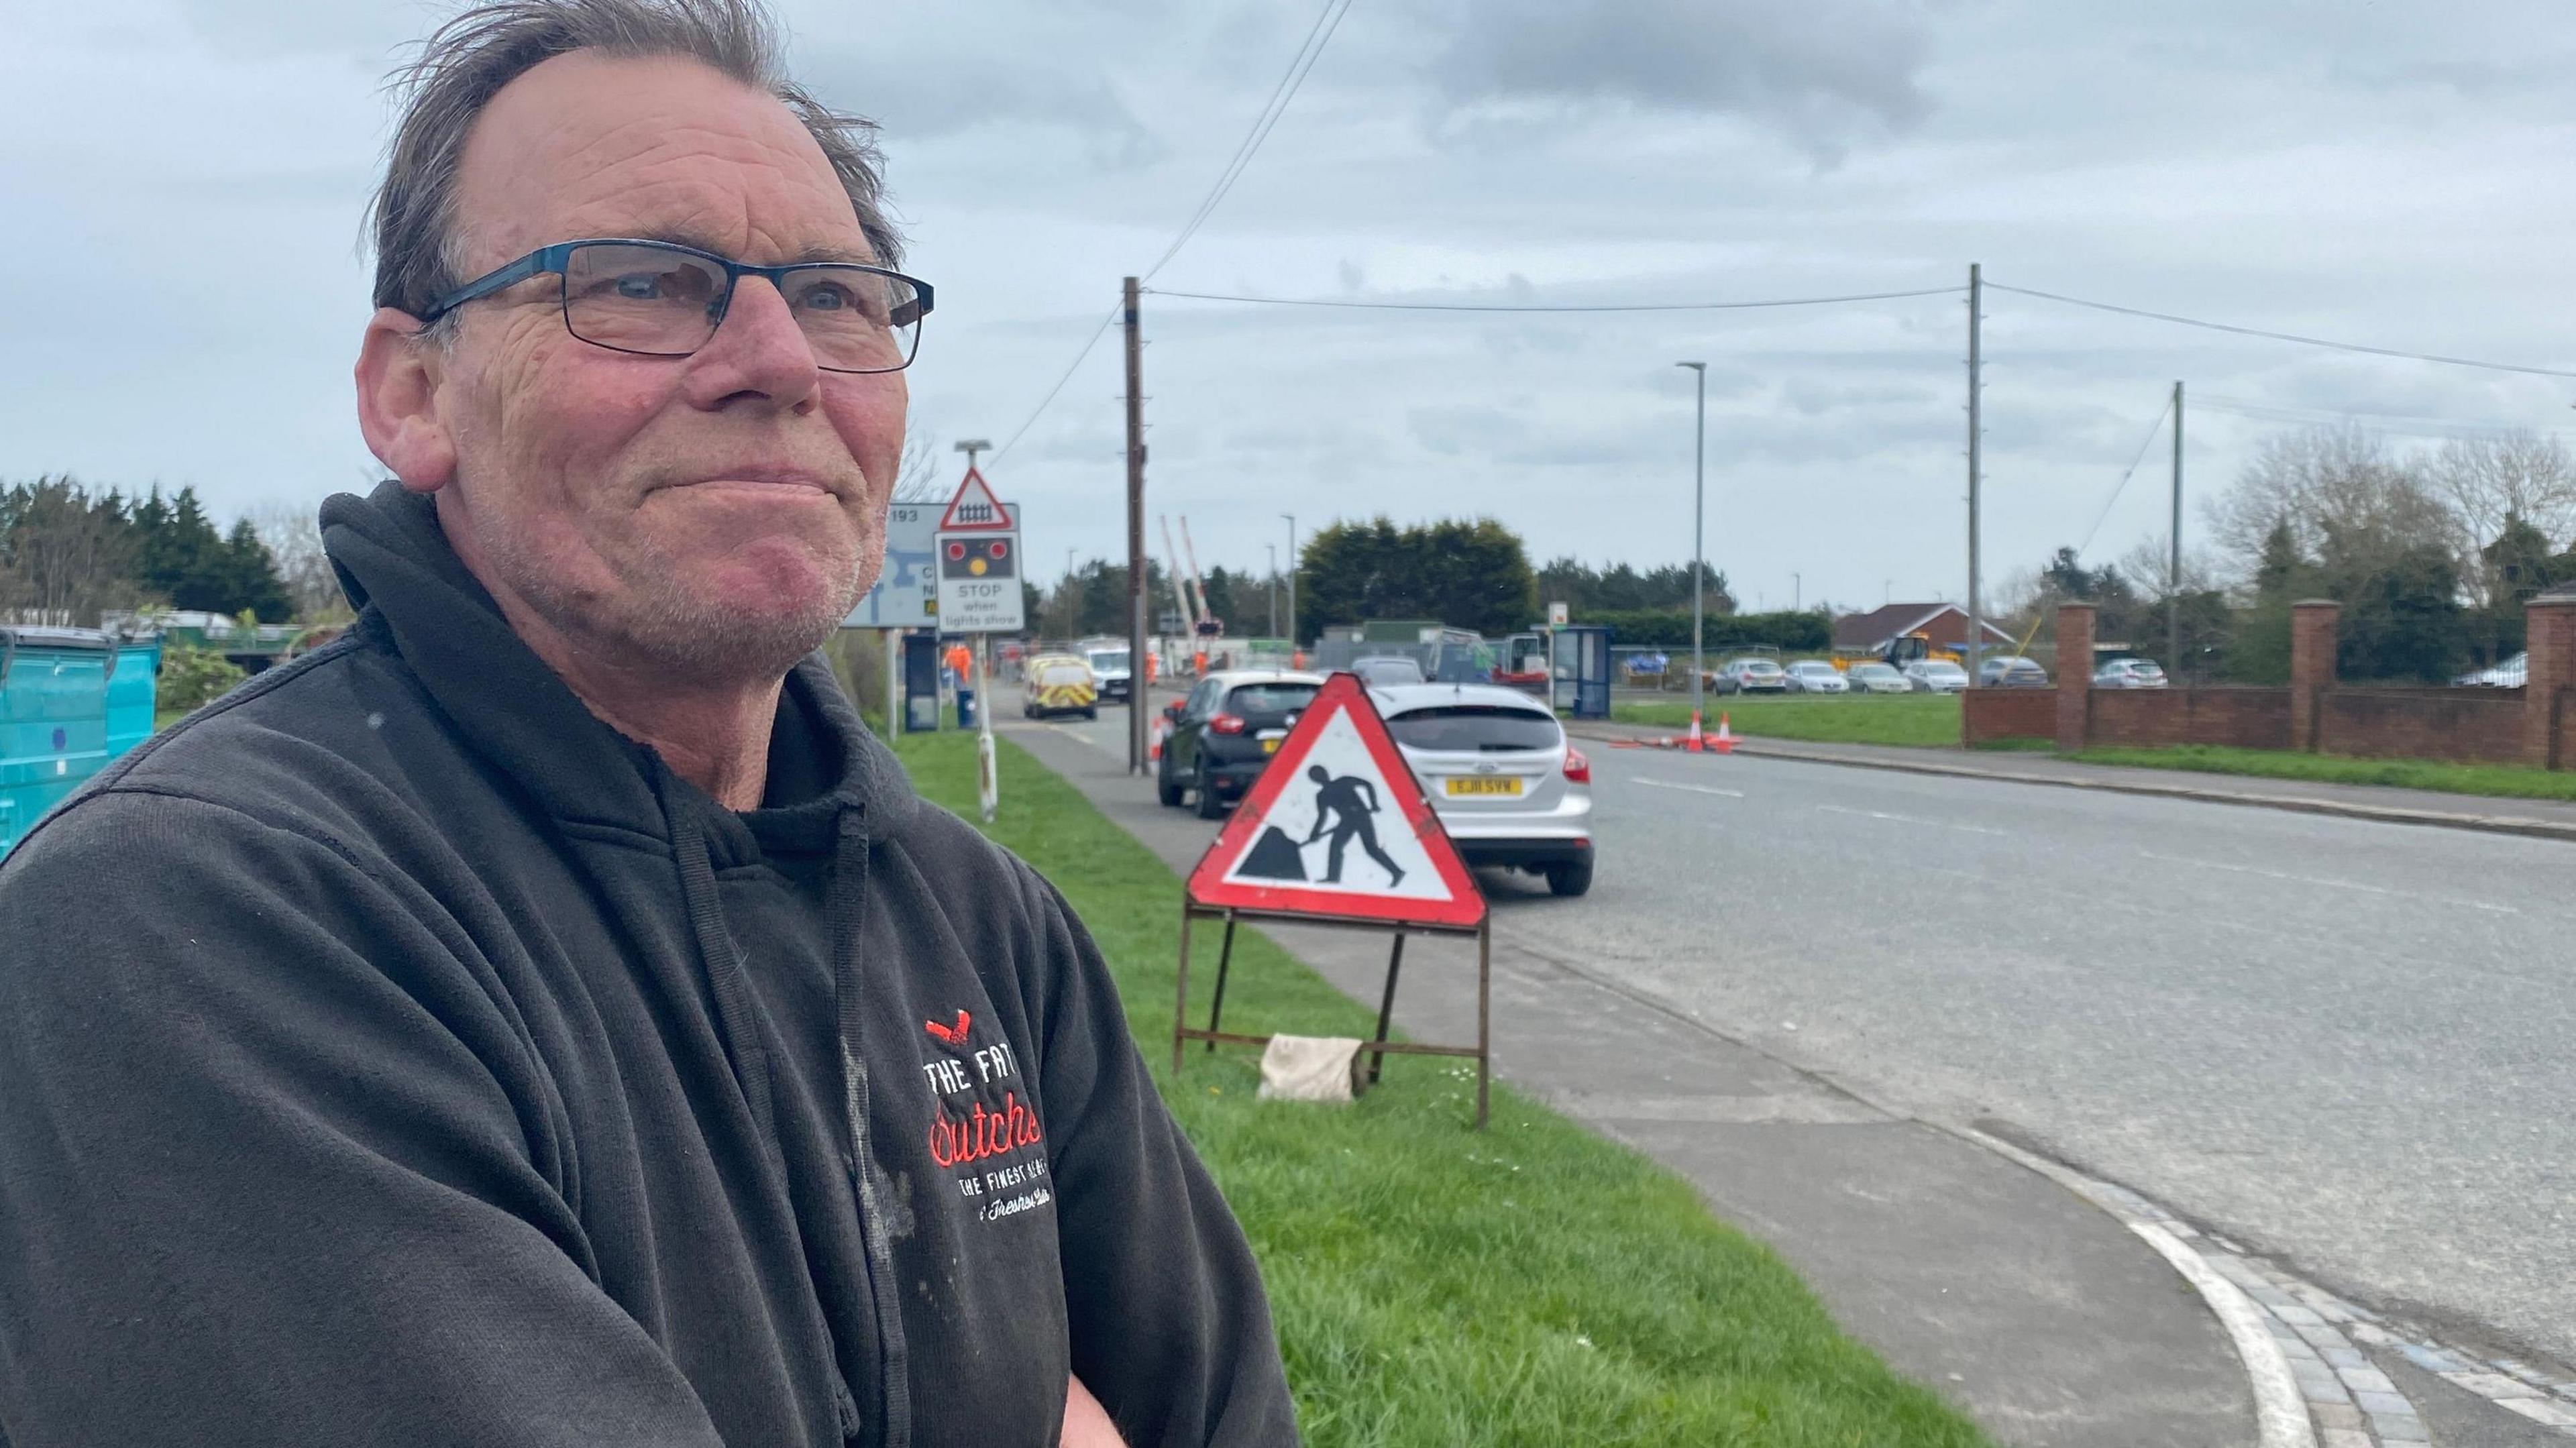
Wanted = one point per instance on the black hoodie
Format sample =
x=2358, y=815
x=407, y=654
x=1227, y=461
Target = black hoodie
x=394, y=1054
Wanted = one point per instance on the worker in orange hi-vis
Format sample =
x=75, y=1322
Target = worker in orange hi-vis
x=960, y=661
x=1198, y=662
x=1297, y=658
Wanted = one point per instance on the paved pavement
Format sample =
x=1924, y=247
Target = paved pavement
x=2342, y=1044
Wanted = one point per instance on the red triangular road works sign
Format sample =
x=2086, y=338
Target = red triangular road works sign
x=1337, y=826
x=974, y=509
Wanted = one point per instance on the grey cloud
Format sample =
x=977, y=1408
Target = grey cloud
x=1827, y=73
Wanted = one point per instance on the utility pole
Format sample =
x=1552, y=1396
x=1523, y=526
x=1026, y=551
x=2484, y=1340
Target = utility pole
x=2173, y=568
x=1138, y=692
x=1699, y=564
x=1294, y=647
x=1976, y=614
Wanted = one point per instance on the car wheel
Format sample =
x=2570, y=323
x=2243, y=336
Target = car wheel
x=1091, y=713
x=1166, y=789
x=1570, y=877
x=1210, y=806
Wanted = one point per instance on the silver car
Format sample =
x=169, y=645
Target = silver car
x=2130, y=674
x=1509, y=788
x=1815, y=676
x=1873, y=677
x=1750, y=676
x=1935, y=676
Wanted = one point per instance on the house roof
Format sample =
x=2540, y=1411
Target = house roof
x=1869, y=630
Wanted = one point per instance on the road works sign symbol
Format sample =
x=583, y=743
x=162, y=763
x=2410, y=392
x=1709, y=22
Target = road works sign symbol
x=1337, y=826
x=975, y=509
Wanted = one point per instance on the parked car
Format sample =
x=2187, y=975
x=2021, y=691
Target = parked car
x=2513, y=673
x=1935, y=676
x=1387, y=670
x=2130, y=674
x=1750, y=676
x=1872, y=677
x=1059, y=684
x=1109, y=670
x=1815, y=676
x=1509, y=788
x=1224, y=732
x=2011, y=671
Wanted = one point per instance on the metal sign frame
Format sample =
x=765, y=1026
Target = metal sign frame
x=1378, y=1048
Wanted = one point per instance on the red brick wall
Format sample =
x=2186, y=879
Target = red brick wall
x=2565, y=758
x=2244, y=718
x=1986, y=714
x=2470, y=725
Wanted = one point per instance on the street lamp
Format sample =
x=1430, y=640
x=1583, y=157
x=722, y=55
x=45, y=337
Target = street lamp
x=1274, y=588
x=1292, y=583
x=970, y=447
x=1699, y=565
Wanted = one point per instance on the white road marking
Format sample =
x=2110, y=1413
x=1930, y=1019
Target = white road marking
x=1693, y=788
x=2332, y=884
x=1908, y=819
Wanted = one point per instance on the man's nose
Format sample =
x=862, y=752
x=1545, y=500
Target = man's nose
x=758, y=354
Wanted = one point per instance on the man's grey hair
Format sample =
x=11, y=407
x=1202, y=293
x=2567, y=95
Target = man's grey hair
x=467, y=61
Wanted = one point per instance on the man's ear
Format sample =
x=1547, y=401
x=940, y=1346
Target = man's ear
x=398, y=377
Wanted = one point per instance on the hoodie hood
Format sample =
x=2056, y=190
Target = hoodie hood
x=394, y=562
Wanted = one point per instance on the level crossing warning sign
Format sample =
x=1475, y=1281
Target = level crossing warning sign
x=1336, y=826
x=978, y=546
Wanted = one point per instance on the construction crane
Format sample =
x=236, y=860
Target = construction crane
x=1180, y=582
x=1198, y=584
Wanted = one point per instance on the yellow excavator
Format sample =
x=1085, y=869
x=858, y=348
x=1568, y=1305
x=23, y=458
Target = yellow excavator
x=1897, y=652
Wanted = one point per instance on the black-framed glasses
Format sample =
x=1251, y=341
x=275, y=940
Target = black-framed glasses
x=662, y=299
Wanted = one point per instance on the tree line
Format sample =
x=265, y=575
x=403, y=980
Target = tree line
x=2433, y=554
x=72, y=553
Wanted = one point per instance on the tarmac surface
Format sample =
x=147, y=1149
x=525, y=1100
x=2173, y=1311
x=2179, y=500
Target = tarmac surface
x=2343, y=1043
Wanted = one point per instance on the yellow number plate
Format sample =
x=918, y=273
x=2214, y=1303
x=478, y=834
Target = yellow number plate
x=1269, y=746
x=1485, y=785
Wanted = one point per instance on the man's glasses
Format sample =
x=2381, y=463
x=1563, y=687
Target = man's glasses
x=661, y=299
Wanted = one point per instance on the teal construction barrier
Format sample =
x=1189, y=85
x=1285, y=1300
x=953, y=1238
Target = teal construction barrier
x=70, y=701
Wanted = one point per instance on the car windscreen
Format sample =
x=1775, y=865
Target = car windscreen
x=1474, y=729
x=1252, y=699
x=1811, y=670
x=1107, y=660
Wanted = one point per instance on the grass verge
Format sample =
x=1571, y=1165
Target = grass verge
x=2501, y=781
x=1531, y=1284
x=1924, y=720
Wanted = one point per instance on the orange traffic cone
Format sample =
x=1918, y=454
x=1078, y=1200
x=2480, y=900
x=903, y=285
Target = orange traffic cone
x=1724, y=743
x=1154, y=741
x=1695, y=743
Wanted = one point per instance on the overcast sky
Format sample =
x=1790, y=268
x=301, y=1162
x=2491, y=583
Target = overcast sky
x=181, y=184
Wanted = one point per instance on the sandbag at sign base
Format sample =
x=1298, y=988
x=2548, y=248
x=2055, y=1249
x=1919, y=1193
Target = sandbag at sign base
x=1311, y=1068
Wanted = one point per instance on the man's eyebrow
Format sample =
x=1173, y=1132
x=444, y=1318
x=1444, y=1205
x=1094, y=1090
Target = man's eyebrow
x=829, y=251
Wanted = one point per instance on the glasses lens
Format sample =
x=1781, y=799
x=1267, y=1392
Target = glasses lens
x=856, y=320
x=642, y=299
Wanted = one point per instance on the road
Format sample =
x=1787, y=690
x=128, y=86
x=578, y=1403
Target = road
x=2347, y=1044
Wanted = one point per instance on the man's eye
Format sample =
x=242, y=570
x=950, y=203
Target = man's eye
x=829, y=297
x=638, y=286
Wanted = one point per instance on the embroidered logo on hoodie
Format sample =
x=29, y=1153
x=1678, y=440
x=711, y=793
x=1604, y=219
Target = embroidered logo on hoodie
x=967, y=1131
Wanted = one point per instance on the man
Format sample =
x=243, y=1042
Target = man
x=1348, y=804
x=544, y=1016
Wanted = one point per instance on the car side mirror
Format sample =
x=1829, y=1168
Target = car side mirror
x=1172, y=711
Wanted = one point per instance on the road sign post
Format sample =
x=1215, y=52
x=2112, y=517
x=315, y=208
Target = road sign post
x=977, y=543
x=1305, y=844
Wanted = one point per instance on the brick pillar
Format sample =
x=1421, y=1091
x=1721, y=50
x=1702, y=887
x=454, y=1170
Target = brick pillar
x=2074, y=675
x=2312, y=664
x=2552, y=626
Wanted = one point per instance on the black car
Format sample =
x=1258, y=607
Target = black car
x=1224, y=733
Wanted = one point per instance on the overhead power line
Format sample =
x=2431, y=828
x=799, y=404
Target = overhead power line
x=1312, y=50
x=2154, y=430
x=1568, y=307
x=1049, y=400
x=1328, y=20
x=2281, y=336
